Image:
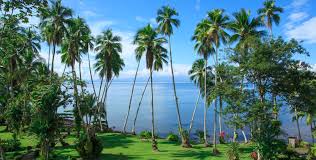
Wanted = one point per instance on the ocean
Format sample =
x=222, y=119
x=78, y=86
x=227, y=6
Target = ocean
x=165, y=110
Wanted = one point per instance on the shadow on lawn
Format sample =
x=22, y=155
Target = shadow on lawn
x=194, y=154
x=115, y=140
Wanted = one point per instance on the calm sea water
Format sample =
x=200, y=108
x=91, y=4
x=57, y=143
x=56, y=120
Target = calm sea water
x=165, y=109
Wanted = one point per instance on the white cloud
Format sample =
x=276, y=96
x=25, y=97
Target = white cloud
x=298, y=3
x=305, y=31
x=141, y=19
x=89, y=13
x=98, y=26
x=298, y=16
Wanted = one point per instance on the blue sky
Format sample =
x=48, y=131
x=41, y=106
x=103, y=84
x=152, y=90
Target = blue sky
x=125, y=17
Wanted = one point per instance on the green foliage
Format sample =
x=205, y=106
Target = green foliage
x=89, y=147
x=10, y=145
x=233, y=151
x=200, y=135
x=145, y=135
x=172, y=137
x=46, y=98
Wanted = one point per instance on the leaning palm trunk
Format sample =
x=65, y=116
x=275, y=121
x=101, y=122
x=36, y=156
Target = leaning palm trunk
x=80, y=78
x=53, y=58
x=313, y=140
x=193, y=114
x=245, y=137
x=130, y=100
x=48, y=61
x=139, y=104
x=154, y=142
x=215, y=106
x=76, y=93
x=185, y=141
x=95, y=94
x=205, y=105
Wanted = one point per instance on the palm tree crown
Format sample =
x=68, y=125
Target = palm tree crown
x=269, y=14
x=166, y=21
x=109, y=61
x=148, y=42
x=243, y=26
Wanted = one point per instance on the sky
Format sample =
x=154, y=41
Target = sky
x=125, y=17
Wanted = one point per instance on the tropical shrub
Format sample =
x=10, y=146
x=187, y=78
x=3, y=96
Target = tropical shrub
x=89, y=147
x=222, y=138
x=200, y=135
x=10, y=144
x=172, y=137
x=233, y=151
x=145, y=135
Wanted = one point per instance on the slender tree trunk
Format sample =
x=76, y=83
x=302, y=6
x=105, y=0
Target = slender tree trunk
x=64, y=70
x=215, y=106
x=76, y=93
x=48, y=61
x=245, y=137
x=139, y=104
x=91, y=78
x=130, y=99
x=80, y=77
x=185, y=141
x=313, y=140
x=205, y=104
x=53, y=58
x=220, y=113
x=154, y=142
x=193, y=114
x=100, y=89
x=297, y=124
x=215, y=127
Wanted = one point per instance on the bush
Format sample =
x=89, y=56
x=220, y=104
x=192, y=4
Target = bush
x=10, y=144
x=222, y=138
x=233, y=151
x=145, y=135
x=172, y=137
x=200, y=135
x=89, y=149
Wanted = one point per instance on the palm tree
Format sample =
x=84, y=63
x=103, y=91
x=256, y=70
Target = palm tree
x=57, y=17
x=71, y=50
x=166, y=21
x=150, y=44
x=244, y=27
x=218, y=22
x=204, y=47
x=269, y=14
x=138, y=56
x=197, y=75
x=47, y=34
x=109, y=64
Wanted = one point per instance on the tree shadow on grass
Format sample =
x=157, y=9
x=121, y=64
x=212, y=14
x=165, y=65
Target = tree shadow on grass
x=115, y=140
x=195, y=154
x=117, y=156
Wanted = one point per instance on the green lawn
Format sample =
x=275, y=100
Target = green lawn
x=118, y=146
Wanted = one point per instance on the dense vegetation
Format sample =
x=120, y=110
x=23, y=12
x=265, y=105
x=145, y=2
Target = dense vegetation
x=254, y=75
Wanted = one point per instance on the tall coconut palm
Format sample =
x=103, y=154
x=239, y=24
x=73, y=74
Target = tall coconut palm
x=166, y=19
x=47, y=35
x=71, y=48
x=109, y=64
x=150, y=44
x=218, y=22
x=204, y=47
x=138, y=56
x=197, y=75
x=57, y=17
x=270, y=14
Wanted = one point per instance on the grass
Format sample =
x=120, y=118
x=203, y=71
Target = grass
x=121, y=147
